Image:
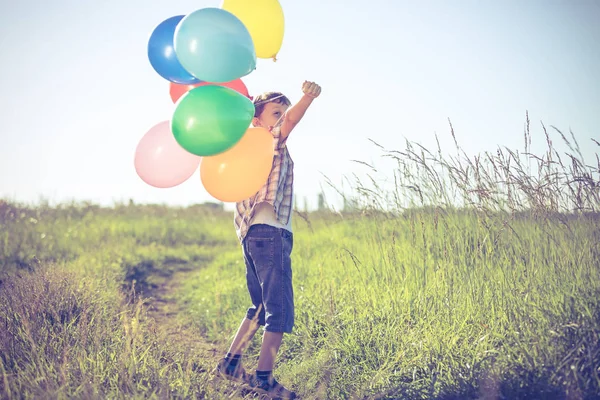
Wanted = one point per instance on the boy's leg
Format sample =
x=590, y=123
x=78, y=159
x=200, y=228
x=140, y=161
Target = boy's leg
x=268, y=351
x=243, y=336
x=230, y=366
x=263, y=381
x=270, y=249
x=255, y=316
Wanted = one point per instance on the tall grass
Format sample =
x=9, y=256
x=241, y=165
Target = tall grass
x=507, y=180
x=475, y=277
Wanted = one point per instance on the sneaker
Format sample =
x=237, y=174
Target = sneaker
x=237, y=374
x=272, y=388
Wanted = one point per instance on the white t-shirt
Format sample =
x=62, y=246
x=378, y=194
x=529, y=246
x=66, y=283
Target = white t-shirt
x=264, y=213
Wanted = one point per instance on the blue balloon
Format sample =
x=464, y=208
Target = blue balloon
x=214, y=45
x=161, y=53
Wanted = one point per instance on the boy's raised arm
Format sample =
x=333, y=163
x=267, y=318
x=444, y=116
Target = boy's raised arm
x=311, y=91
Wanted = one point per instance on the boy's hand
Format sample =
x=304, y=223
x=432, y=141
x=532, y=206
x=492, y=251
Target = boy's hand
x=311, y=89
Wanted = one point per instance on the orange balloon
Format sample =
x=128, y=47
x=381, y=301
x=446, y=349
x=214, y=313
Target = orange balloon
x=240, y=172
x=177, y=90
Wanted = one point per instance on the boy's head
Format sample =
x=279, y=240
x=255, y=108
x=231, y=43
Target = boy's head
x=269, y=108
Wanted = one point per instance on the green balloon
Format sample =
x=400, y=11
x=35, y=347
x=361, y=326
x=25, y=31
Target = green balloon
x=211, y=119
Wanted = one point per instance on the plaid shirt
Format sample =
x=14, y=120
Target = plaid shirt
x=277, y=191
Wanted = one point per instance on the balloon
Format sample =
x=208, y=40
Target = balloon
x=241, y=171
x=176, y=91
x=210, y=119
x=264, y=20
x=160, y=161
x=214, y=45
x=161, y=53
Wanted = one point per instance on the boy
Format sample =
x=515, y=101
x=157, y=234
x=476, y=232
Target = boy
x=264, y=227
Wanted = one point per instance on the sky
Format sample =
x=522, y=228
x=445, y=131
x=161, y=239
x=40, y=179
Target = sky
x=78, y=92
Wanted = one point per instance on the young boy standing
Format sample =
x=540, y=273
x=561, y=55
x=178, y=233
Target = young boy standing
x=263, y=225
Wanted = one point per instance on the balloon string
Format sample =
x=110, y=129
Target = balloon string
x=280, y=118
x=268, y=100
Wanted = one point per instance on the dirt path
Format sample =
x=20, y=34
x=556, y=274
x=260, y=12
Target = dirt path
x=167, y=313
x=165, y=310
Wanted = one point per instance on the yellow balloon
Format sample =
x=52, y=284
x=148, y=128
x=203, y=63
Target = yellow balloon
x=264, y=21
x=240, y=172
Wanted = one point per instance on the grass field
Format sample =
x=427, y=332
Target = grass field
x=475, y=278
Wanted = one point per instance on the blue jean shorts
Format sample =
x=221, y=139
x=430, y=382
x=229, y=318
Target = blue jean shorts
x=267, y=252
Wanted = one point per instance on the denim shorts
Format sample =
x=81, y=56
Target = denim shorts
x=267, y=252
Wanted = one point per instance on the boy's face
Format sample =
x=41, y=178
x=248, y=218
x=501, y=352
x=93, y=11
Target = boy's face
x=270, y=115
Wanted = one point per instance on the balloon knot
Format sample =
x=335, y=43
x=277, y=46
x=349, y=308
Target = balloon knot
x=274, y=58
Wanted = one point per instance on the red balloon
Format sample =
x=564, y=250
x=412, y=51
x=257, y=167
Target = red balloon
x=176, y=90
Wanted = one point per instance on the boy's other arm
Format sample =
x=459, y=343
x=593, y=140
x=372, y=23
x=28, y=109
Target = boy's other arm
x=296, y=112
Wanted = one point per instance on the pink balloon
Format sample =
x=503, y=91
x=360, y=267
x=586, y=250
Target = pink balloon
x=160, y=161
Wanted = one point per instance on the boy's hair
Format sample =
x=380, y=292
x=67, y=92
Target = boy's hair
x=269, y=97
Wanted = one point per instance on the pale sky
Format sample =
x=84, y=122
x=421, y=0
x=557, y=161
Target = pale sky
x=78, y=92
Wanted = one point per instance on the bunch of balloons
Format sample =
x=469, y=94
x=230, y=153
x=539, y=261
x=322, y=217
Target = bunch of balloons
x=204, y=55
